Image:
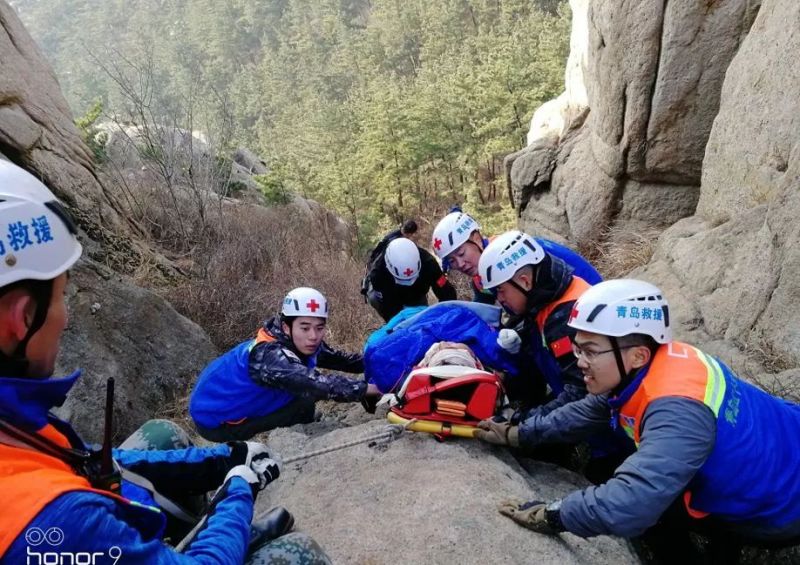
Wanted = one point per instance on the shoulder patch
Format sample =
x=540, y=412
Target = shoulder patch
x=561, y=347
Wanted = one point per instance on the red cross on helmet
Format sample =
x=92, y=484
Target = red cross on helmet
x=304, y=301
x=403, y=261
x=451, y=232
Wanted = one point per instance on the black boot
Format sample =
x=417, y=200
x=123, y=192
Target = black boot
x=270, y=526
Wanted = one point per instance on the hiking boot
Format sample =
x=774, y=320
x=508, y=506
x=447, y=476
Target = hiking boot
x=272, y=525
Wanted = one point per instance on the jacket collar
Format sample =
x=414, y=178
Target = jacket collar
x=617, y=401
x=553, y=277
x=27, y=402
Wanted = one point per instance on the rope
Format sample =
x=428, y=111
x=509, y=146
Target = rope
x=390, y=433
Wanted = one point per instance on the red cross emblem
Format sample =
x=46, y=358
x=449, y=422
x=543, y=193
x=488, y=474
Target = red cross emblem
x=408, y=272
x=573, y=314
x=437, y=244
x=313, y=306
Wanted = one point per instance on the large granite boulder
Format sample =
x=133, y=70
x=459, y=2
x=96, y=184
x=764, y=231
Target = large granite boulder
x=119, y=330
x=653, y=90
x=420, y=501
x=733, y=270
x=36, y=127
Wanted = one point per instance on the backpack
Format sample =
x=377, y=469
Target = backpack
x=446, y=400
x=375, y=261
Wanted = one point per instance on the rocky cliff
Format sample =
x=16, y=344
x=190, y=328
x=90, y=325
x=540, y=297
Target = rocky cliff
x=629, y=152
x=117, y=329
x=690, y=127
x=733, y=268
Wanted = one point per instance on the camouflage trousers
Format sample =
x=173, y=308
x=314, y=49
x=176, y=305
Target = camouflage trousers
x=291, y=549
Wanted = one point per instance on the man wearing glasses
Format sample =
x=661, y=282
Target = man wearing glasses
x=714, y=454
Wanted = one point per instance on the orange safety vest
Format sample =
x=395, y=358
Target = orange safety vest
x=30, y=480
x=574, y=291
x=677, y=369
x=263, y=336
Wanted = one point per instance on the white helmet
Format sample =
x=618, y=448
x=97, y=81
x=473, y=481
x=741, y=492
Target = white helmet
x=38, y=239
x=622, y=307
x=505, y=255
x=403, y=261
x=452, y=232
x=304, y=301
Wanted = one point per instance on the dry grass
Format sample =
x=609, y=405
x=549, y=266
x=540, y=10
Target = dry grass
x=622, y=249
x=238, y=260
x=249, y=264
x=773, y=362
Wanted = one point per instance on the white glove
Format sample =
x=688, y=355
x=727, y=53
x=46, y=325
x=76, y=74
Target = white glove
x=255, y=451
x=509, y=340
x=258, y=475
x=246, y=452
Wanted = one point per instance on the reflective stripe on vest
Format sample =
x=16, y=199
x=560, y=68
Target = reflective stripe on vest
x=30, y=480
x=677, y=369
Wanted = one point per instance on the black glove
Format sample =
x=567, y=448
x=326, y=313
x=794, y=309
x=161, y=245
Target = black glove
x=245, y=452
x=254, y=457
x=370, y=403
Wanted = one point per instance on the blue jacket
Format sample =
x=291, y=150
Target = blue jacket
x=393, y=353
x=262, y=375
x=95, y=523
x=734, y=450
x=753, y=472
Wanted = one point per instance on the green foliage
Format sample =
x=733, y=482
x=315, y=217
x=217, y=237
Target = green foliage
x=273, y=187
x=87, y=126
x=381, y=109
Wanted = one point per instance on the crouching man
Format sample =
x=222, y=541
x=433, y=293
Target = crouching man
x=714, y=453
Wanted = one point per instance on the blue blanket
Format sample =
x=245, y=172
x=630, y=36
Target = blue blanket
x=392, y=351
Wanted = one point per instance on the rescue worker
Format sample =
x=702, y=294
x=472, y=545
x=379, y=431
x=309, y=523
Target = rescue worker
x=375, y=259
x=714, y=453
x=60, y=498
x=404, y=279
x=539, y=289
x=272, y=380
x=458, y=243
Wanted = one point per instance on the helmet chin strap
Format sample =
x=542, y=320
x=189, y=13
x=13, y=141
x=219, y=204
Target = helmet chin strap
x=625, y=378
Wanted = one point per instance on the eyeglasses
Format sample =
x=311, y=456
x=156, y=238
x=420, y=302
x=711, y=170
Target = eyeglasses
x=591, y=356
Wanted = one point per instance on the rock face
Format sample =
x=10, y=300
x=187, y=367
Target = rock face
x=123, y=331
x=653, y=75
x=36, y=128
x=749, y=152
x=420, y=501
x=734, y=268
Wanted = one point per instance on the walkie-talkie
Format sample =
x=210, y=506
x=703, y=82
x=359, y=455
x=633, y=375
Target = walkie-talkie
x=109, y=477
